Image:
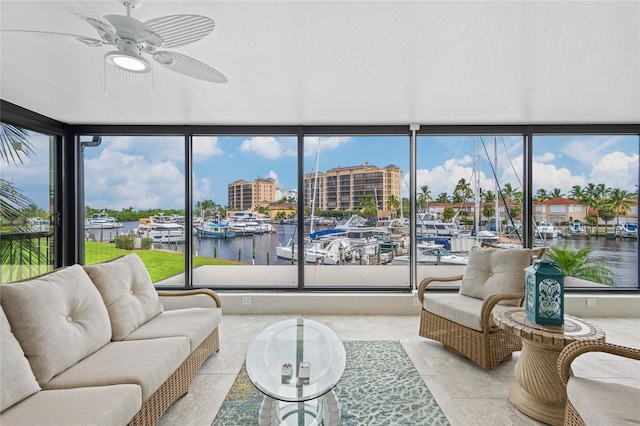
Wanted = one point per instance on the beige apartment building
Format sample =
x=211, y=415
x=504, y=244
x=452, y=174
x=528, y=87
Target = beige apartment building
x=341, y=188
x=242, y=194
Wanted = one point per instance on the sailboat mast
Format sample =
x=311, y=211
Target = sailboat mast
x=495, y=184
x=315, y=188
x=476, y=208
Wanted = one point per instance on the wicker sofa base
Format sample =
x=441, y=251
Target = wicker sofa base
x=571, y=416
x=487, y=349
x=177, y=384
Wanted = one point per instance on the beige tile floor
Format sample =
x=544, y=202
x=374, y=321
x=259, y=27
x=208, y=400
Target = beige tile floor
x=467, y=394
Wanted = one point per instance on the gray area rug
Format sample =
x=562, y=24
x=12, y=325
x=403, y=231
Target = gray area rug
x=380, y=386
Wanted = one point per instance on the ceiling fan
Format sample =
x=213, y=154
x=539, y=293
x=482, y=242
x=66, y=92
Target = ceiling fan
x=134, y=41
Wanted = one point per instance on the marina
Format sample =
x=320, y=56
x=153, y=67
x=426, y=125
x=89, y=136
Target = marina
x=620, y=255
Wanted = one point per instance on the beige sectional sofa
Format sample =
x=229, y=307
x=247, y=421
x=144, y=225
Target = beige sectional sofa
x=98, y=345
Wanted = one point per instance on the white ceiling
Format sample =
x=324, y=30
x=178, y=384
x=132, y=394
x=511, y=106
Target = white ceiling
x=344, y=62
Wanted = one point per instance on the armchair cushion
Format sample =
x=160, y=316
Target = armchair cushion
x=601, y=403
x=127, y=290
x=458, y=308
x=69, y=323
x=18, y=381
x=495, y=271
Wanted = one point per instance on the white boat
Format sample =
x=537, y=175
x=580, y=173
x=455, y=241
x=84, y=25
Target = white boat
x=38, y=224
x=161, y=229
x=101, y=221
x=428, y=226
x=628, y=230
x=321, y=252
x=577, y=230
x=546, y=230
x=433, y=256
x=244, y=223
x=361, y=235
x=215, y=230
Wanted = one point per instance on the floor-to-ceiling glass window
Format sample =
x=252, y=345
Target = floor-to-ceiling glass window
x=468, y=191
x=26, y=203
x=586, y=206
x=245, y=194
x=355, y=211
x=134, y=200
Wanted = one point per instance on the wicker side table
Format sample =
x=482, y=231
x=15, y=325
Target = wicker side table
x=539, y=393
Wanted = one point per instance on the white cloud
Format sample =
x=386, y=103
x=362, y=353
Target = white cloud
x=330, y=143
x=205, y=148
x=545, y=158
x=137, y=182
x=269, y=147
x=590, y=149
x=273, y=175
x=545, y=176
x=444, y=178
x=616, y=170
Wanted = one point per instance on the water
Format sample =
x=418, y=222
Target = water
x=620, y=256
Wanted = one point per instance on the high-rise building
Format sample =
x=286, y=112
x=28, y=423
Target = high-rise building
x=242, y=194
x=341, y=188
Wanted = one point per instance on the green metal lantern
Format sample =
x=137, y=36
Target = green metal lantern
x=544, y=293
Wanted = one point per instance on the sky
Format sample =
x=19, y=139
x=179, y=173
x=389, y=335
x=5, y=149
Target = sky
x=148, y=172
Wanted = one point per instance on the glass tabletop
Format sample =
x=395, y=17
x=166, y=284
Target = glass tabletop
x=298, y=343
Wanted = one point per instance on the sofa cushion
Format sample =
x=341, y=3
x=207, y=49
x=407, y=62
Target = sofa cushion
x=458, y=308
x=195, y=323
x=58, y=318
x=602, y=403
x=146, y=363
x=495, y=271
x=18, y=381
x=99, y=406
x=127, y=290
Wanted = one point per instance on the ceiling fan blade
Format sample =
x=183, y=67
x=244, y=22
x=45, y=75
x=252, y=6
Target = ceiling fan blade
x=188, y=66
x=106, y=30
x=178, y=30
x=88, y=41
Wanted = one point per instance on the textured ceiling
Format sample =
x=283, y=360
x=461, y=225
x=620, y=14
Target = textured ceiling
x=343, y=62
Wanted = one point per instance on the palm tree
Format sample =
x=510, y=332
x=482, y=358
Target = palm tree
x=14, y=145
x=443, y=197
x=369, y=206
x=393, y=203
x=509, y=192
x=618, y=199
x=578, y=263
x=606, y=213
x=556, y=193
x=424, y=197
x=463, y=190
x=541, y=195
x=577, y=193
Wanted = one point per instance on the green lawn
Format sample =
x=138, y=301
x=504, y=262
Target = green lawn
x=161, y=264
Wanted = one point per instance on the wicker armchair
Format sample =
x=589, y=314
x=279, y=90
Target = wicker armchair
x=591, y=401
x=463, y=322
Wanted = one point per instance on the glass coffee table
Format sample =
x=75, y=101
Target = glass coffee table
x=296, y=364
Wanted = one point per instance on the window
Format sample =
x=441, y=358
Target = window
x=590, y=185
x=469, y=190
x=354, y=217
x=134, y=198
x=245, y=210
x=27, y=203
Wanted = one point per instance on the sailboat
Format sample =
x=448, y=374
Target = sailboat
x=319, y=251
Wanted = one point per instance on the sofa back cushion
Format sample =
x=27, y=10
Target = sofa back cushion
x=58, y=318
x=18, y=381
x=128, y=293
x=495, y=271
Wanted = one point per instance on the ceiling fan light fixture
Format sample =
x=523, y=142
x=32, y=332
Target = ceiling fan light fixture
x=128, y=61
